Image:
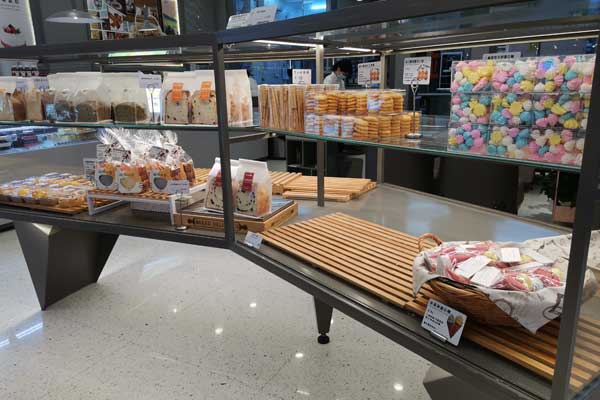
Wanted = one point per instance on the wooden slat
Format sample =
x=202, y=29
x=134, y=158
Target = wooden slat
x=56, y=209
x=305, y=187
x=379, y=260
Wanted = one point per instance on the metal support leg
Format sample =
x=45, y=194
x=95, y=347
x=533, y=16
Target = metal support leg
x=62, y=261
x=380, y=165
x=320, y=173
x=324, y=312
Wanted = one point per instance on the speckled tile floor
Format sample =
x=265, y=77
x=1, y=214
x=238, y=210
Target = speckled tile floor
x=172, y=321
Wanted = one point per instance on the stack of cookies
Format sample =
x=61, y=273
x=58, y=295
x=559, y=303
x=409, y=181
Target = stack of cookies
x=361, y=103
x=385, y=126
x=386, y=100
x=332, y=102
x=415, y=122
x=396, y=125
x=313, y=124
x=398, y=101
x=361, y=128
x=331, y=125
x=373, y=122
x=405, y=124
x=321, y=104
x=347, y=126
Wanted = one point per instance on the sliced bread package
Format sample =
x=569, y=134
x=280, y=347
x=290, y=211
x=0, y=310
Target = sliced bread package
x=91, y=99
x=204, y=99
x=176, y=90
x=131, y=104
x=255, y=191
x=214, y=185
x=239, y=97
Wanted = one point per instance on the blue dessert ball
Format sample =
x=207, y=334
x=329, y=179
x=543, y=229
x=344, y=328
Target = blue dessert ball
x=501, y=150
x=491, y=149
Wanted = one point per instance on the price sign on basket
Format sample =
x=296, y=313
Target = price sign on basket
x=444, y=322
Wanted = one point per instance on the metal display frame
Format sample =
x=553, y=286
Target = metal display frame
x=328, y=292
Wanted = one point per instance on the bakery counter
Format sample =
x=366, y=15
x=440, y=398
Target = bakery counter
x=64, y=253
x=413, y=213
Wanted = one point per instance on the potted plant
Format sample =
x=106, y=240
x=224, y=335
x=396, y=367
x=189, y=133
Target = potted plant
x=561, y=188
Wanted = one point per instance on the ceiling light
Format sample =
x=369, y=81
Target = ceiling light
x=218, y=331
x=357, y=49
x=252, y=305
x=319, y=6
x=286, y=43
x=73, y=16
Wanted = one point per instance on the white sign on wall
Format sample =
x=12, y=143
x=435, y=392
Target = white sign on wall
x=417, y=70
x=369, y=73
x=511, y=55
x=302, y=76
x=16, y=28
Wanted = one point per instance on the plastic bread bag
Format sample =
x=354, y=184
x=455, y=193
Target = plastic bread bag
x=161, y=170
x=34, y=106
x=130, y=102
x=132, y=175
x=7, y=87
x=239, y=98
x=255, y=192
x=64, y=86
x=214, y=185
x=105, y=175
x=91, y=99
x=177, y=88
x=204, y=99
x=263, y=106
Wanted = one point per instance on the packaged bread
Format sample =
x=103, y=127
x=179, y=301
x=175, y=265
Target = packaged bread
x=264, y=108
x=162, y=170
x=34, y=108
x=132, y=176
x=177, y=90
x=18, y=104
x=278, y=103
x=239, y=97
x=296, y=108
x=91, y=99
x=214, y=186
x=129, y=102
x=58, y=102
x=204, y=104
x=254, y=193
x=6, y=108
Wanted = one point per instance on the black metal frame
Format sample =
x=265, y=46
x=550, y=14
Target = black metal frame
x=326, y=296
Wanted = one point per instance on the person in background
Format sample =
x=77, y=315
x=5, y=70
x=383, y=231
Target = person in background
x=253, y=88
x=340, y=71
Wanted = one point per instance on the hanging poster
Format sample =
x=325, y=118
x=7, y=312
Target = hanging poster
x=417, y=70
x=16, y=28
x=368, y=73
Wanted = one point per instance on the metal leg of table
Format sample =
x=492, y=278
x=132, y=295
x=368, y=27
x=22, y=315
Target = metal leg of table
x=324, y=313
x=440, y=383
x=62, y=261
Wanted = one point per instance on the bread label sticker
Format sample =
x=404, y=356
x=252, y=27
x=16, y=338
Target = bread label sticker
x=89, y=168
x=41, y=83
x=205, y=90
x=253, y=240
x=510, y=254
x=444, y=322
x=158, y=153
x=149, y=81
x=177, y=93
x=247, y=181
x=487, y=277
x=218, y=180
x=471, y=266
x=102, y=151
x=21, y=85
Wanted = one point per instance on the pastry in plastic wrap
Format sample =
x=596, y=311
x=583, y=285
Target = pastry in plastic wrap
x=254, y=194
x=18, y=104
x=177, y=107
x=6, y=108
x=214, y=185
x=130, y=112
x=33, y=105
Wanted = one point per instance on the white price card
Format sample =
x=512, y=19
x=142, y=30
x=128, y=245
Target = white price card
x=416, y=70
x=487, y=277
x=470, y=267
x=238, y=21
x=41, y=82
x=510, y=254
x=253, y=239
x=21, y=85
x=177, y=187
x=89, y=168
x=537, y=256
x=369, y=73
x=262, y=15
x=302, y=76
x=444, y=322
x=149, y=81
x=505, y=56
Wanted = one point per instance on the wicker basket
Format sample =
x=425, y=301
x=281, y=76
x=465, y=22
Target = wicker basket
x=468, y=299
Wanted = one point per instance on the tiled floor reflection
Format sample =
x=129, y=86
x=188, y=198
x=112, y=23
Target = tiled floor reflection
x=171, y=321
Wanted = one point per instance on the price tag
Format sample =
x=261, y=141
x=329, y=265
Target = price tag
x=177, y=91
x=253, y=240
x=21, y=85
x=262, y=15
x=471, y=266
x=302, y=76
x=368, y=73
x=101, y=151
x=89, y=168
x=444, y=322
x=149, y=81
x=175, y=187
x=41, y=83
x=205, y=90
x=238, y=21
x=416, y=70
x=487, y=277
x=537, y=256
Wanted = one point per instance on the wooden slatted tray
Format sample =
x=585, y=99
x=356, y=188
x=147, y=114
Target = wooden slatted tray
x=379, y=260
x=202, y=175
x=280, y=179
x=56, y=209
x=336, y=189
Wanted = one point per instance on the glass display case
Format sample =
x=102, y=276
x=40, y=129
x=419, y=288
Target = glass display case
x=353, y=245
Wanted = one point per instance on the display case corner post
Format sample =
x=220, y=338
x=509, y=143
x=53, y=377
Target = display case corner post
x=224, y=143
x=320, y=173
x=587, y=195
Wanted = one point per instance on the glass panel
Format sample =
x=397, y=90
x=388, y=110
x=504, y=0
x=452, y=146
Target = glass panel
x=285, y=8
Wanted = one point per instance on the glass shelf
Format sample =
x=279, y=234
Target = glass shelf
x=433, y=142
x=125, y=126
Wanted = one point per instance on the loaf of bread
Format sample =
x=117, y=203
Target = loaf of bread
x=177, y=110
x=204, y=111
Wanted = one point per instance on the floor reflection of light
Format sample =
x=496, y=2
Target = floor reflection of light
x=29, y=330
x=4, y=343
x=398, y=387
x=303, y=392
x=299, y=355
x=252, y=305
x=218, y=331
x=175, y=310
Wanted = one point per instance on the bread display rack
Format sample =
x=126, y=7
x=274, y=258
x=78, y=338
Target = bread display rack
x=336, y=189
